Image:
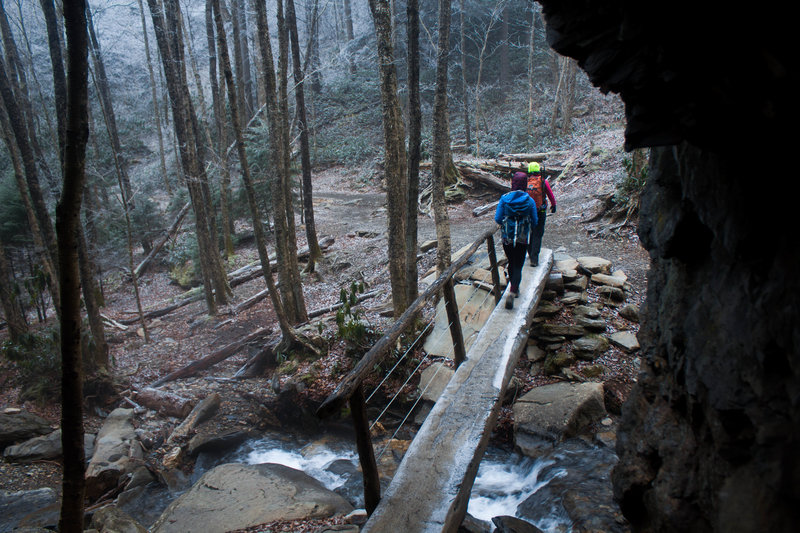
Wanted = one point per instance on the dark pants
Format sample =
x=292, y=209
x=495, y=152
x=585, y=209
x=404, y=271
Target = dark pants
x=516, y=259
x=536, y=236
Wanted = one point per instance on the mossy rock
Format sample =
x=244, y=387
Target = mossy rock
x=556, y=361
x=184, y=275
x=287, y=367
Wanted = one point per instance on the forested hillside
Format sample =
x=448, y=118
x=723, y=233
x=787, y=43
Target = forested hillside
x=250, y=165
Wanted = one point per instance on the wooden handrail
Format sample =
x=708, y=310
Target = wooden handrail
x=334, y=402
x=456, y=333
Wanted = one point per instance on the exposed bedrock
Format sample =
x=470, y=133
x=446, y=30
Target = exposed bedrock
x=710, y=435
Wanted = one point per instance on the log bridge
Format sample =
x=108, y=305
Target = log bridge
x=430, y=490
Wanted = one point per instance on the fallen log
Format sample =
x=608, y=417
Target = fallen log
x=253, y=270
x=250, y=302
x=201, y=412
x=155, y=313
x=114, y=323
x=235, y=278
x=482, y=210
x=485, y=178
x=163, y=240
x=212, y=358
x=528, y=157
x=334, y=307
x=255, y=366
x=565, y=173
x=267, y=357
x=165, y=402
x=490, y=166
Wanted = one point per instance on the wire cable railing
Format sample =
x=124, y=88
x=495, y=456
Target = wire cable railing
x=350, y=390
x=411, y=346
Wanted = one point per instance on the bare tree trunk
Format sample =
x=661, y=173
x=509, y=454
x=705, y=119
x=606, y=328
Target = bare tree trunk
x=286, y=235
x=43, y=111
x=313, y=47
x=19, y=84
x=492, y=21
x=154, y=94
x=305, y=149
x=395, y=155
x=238, y=58
x=204, y=186
x=464, y=86
x=531, y=49
x=134, y=277
x=92, y=299
x=277, y=123
x=222, y=139
x=104, y=93
x=505, y=68
x=348, y=24
x=568, y=99
x=57, y=62
x=186, y=30
x=33, y=188
x=557, y=99
x=91, y=295
x=39, y=238
x=286, y=329
x=68, y=222
x=191, y=149
x=414, y=147
x=442, y=159
x=248, y=106
x=17, y=326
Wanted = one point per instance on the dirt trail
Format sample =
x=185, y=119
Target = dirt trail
x=356, y=216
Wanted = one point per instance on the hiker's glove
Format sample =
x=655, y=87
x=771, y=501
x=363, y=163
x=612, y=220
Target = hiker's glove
x=553, y=209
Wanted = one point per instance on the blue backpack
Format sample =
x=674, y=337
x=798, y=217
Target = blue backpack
x=516, y=229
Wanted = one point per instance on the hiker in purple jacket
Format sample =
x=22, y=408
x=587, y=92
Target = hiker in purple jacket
x=516, y=214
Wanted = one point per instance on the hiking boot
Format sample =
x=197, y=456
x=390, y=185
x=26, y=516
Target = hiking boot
x=510, y=300
x=535, y=262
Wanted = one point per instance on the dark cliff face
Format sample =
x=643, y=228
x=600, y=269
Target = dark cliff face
x=710, y=438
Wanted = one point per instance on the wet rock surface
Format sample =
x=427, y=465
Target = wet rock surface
x=234, y=496
x=558, y=411
x=20, y=507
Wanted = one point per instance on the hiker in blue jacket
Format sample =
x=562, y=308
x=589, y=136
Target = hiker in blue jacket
x=516, y=214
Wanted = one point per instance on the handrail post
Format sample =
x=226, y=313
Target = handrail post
x=366, y=454
x=494, y=269
x=334, y=402
x=450, y=304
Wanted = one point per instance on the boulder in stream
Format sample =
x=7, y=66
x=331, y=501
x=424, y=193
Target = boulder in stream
x=112, y=518
x=18, y=509
x=554, y=412
x=236, y=496
x=116, y=453
x=511, y=524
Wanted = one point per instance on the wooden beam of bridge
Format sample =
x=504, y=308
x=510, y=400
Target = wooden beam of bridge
x=430, y=491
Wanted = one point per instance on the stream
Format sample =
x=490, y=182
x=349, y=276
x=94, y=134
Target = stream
x=567, y=488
